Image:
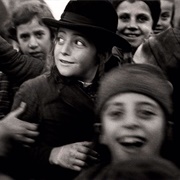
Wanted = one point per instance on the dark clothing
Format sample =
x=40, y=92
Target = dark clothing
x=118, y=58
x=163, y=50
x=139, y=168
x=17, y=66
x=64, y=113
x=7, y=91
x=5, y=102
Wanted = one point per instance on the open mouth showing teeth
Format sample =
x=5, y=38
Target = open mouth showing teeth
x=133, y=142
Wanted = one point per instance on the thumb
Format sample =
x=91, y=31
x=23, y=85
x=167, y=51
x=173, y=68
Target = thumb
x=20, y=109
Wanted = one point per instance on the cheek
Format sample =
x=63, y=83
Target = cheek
x=23, y=47
x=108, y=131
x=56, y=51
x=167, y=23
x=146, y=29
x=48, y=43
x=121, y=25
x=156, y=131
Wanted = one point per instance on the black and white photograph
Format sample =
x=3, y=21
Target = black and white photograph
x=89, y=90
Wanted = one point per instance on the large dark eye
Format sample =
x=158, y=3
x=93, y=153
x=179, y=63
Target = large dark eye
x=60, y=40
x=165, y=15
x=79, y=43
x=39, y=34
x=115, y=114
x=124, y=17
x=146, y=114
x=142, y=18
x=24, y=37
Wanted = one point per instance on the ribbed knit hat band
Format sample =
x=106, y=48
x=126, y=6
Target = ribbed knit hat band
x=140, y=78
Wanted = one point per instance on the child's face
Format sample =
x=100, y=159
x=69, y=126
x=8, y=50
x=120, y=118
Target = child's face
x=134, y=21
x=132, y=125
x=75, y=55
x=34, y=39
x=165, y=17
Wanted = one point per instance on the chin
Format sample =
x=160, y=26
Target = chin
x=66, y=74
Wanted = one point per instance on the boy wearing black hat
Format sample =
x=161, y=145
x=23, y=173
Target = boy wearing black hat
x=62, y=101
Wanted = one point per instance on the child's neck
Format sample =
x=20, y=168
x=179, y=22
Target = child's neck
x=85, y=84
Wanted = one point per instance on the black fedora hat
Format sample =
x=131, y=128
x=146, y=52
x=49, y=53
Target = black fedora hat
x=97, y=17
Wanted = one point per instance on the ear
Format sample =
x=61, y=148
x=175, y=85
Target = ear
x=97, y=128
x=169, y=131
x=98, y=131
x=104, y=57
x=15, y=45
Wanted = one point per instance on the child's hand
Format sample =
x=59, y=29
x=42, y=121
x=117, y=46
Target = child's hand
x=73, y=156
x=14, y=128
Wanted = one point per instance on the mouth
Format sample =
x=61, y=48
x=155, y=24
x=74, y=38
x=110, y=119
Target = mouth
x=66, y=62
x=131, y=35
x=156, y=31
x=37, y=54
x=132, y=142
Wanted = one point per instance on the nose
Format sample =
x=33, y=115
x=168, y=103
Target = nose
x=159, y=22
x=131, y=122
x=33, y=44
x=65, y=48
x=132, y=24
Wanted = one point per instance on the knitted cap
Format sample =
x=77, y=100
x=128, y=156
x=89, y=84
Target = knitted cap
x=139, y=78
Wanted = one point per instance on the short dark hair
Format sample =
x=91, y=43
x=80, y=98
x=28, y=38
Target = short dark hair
x=154, y=6
x=24, y=13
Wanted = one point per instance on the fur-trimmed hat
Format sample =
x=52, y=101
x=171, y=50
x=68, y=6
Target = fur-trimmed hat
x=139, y=78
x=96, y=18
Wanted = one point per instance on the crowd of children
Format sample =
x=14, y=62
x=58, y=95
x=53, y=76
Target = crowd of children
x=82, y=97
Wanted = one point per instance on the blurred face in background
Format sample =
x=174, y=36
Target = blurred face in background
x=134, y=21
x=34, y=39
x=166, y=16
x=132, y=125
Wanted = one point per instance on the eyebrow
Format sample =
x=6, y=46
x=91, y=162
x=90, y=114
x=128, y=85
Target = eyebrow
x=144, y=13
x=142, y=103
x=114, y=104
x=74, y=33
x=24, y=34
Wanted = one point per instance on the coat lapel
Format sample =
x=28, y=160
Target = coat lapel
x=75, y=97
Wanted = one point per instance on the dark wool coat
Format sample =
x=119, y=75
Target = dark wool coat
x=64, y=113
x=17, y=66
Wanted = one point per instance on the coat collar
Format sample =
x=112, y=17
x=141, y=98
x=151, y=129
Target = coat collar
x=71, y=93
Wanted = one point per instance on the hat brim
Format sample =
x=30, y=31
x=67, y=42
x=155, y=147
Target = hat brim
x=110, y=36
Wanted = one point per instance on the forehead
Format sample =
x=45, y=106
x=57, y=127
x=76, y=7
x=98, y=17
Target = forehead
x=131, y=98
x=34, y=25
x=166, y=5
x=76, y=33
x=71, y=31
x=133, y=7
